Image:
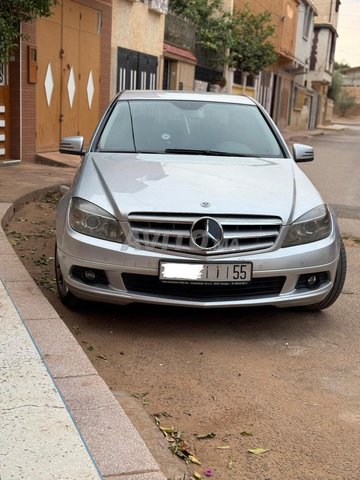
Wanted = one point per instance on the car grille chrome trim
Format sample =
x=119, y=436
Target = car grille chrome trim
x=173, y=232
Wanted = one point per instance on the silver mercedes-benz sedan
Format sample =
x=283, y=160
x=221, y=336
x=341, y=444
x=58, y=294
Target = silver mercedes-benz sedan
x=194, y=199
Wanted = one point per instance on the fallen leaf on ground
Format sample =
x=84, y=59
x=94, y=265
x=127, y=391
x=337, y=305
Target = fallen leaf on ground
x=194, y=460
x=102, y=357
x=140, y=395
x=205, y=435
x=246, y=434
x=223, y=447
x=166, y=429
x=197, y=476
x=257, y=451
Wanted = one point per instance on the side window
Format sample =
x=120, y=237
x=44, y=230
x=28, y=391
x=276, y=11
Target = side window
x=117, y=135
x=307, y=21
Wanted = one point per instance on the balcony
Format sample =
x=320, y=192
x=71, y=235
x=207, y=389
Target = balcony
x=179, y=32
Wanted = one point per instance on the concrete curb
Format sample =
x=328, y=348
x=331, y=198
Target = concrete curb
x=109, y=436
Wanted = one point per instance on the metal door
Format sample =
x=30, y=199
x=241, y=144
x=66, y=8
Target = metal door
x=147, y=72
x=136, y=70
x=314, y=111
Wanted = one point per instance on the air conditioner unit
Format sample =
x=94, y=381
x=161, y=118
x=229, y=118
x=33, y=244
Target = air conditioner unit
x=159, y=6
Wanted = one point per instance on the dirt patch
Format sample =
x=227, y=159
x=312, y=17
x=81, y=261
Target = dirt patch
x=31, y=232
x=351, y=242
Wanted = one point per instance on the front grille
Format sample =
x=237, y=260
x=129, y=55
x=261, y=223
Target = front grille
x=172, y=232
x=151, y=285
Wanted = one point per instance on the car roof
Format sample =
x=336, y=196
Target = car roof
x=183, y=95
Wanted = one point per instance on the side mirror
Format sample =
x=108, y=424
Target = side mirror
x=72, y=145
x=303, y=153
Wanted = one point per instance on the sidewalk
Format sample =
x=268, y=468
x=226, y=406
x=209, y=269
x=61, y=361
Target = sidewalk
x=58, y=418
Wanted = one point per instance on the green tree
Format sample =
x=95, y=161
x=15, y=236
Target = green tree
x=240, y=40
x=12, y=13
x=252, y=49
x=336, y=85
x=341, y=66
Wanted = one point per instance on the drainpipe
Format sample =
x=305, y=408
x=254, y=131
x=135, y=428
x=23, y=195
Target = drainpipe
x=330, y=11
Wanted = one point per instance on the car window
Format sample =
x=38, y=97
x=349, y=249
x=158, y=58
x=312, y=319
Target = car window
x=117, y=134
x=172, y=126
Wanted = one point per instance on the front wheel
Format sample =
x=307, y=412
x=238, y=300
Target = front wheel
x=67, y=298
x=338, y=284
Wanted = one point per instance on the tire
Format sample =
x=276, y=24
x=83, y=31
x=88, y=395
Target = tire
x=338, y=284
x=67, y=298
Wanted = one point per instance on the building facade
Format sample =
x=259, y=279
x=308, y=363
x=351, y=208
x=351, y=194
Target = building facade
x=57, y=83
x=137, y=44
x=304, y=100
x=322, y=57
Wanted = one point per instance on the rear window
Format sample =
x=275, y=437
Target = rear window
x=158, y=126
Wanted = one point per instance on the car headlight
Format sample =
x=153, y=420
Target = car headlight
x=312, y=226
x=87, y=218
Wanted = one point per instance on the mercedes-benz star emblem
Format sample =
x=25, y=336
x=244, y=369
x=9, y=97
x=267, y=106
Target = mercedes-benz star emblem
x=207, y=233
x=205, y=204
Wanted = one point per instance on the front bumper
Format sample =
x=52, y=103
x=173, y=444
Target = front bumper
x=114, y=259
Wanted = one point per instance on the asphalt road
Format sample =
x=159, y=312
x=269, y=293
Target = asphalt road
x=290, y=379
x=336, y=170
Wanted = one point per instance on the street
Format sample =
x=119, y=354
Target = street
x=285, y=381
x=336, y=169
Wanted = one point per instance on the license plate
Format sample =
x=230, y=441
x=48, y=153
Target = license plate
x=206, y=272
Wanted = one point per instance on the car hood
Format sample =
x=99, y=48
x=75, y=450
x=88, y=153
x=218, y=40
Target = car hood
x=127, y=183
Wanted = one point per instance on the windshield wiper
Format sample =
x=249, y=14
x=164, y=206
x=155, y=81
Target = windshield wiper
x=214, y=153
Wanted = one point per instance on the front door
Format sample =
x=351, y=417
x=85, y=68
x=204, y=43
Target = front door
x=68, y=87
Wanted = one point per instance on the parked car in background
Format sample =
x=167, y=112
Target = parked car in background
x=195, y=200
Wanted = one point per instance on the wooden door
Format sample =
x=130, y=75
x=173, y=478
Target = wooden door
x=89, y=67
x=68, y=87
x=70, y=71
x=48, y=87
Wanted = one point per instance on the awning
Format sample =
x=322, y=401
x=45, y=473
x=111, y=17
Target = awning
x=179, y=52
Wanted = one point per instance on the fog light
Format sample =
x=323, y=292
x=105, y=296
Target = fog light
x=312, y=281
x=90, y=275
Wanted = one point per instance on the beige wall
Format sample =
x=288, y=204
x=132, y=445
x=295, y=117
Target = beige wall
x=186, y=75
x=354, y=91
x=241, y=90
x=135, y=27
x=301, y=111
x=284, y=14
x=326, y=12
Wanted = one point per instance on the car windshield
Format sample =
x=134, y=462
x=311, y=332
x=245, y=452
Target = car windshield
x=188, y=127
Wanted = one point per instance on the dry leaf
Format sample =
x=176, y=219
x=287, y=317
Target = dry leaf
x=166, y=429
x=194, y=460
x=257, y=451
x=205, y=435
